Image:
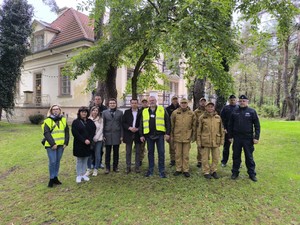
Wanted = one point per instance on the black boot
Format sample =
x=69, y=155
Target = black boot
x=51, y=182
x=56, y=181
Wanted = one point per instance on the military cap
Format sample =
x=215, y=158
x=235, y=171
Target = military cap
x=184, y=100
x=243, y=97
x=202, y=99
x=144, y=100
x=232, y=96
x=174, y=97
x=210, y=103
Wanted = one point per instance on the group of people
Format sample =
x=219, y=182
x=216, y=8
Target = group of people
x=151, y=125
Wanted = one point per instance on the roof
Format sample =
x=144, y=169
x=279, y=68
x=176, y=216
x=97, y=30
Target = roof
x=72, y=26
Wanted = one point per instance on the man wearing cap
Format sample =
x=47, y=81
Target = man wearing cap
x=198, y=112
x=183, y=127
x=154, y=127
x=174, y=105
x=210, y=136
x=225, y=115
x=143, y=144
x=244, y=131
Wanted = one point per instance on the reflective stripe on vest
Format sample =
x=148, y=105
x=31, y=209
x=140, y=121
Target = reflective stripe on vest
x=159, y=120
x=58, y=133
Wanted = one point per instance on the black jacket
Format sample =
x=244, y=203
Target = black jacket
x=127, y=121
x=82, y=131
x=172, y=108
x=242, y=122
x=226, y=114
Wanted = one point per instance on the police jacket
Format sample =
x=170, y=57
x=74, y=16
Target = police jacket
x=226, y=114
x=210, y=132
x=183, y=125
x=242, y=122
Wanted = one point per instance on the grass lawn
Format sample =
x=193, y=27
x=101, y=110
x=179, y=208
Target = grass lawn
x=118, y=198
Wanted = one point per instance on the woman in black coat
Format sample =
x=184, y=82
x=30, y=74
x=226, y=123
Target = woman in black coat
x=83, y=130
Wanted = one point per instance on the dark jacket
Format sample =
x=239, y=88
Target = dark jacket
x=112, y=127
x=242, y=122
x=82, y=131
x=172, y=108
x=226, y=114
x=127, y=121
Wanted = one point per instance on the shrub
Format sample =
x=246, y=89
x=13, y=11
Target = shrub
x=36, y=119
x=270, y=111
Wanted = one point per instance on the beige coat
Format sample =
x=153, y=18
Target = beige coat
x=210, y=132
x=183, y=125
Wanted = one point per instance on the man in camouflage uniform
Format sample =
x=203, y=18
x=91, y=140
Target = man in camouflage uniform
x=210, y=136
x=198, y=112
x=183, y=130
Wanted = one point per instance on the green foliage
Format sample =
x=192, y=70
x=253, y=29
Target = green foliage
x=15, y=28
x=197, y=31
x=269, y=111
x=36, y=119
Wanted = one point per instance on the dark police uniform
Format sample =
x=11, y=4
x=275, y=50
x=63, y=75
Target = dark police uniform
x=240, y=128
x=225, y=115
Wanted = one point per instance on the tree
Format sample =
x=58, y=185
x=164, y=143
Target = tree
x=15, y=28
x=284, y=12
x=139, y=30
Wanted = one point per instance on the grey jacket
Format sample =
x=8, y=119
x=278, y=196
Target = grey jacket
x=112, y=127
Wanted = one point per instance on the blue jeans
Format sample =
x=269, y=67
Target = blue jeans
x=81, y=165
x=54, y=157
x=160, y=145
x=98, y=155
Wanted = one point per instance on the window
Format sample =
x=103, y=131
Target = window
x=38, y=42
x=65, y=84
x=174, y=87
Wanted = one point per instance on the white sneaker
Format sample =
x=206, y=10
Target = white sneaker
x=78, y=179
x=85, y=178
x=101, y=166
x=95, y=173
x=88, y=172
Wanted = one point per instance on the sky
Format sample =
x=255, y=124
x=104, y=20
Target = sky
x=42, y=12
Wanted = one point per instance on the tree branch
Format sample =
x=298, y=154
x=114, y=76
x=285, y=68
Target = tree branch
x=154, y=6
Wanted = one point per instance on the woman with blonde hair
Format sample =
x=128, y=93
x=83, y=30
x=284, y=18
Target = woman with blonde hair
x=97, y=140
x=56, y=133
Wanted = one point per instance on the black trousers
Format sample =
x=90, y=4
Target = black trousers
x=226, y=148
x=247, y=145
x=115, y=156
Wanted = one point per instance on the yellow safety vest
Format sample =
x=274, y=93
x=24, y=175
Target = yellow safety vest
x=58, y=133
x=159, y=119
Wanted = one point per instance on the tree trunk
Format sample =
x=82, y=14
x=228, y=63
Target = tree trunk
x=136, y=73
x=198, y=91
x=110, y=81
x=292, y=115
x=262, y=87
x=278, y=84
x=220, y=102
x=287, y=96
x=0, y=113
